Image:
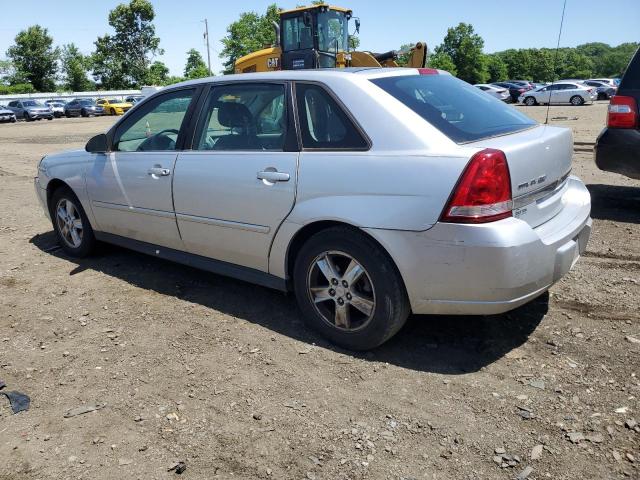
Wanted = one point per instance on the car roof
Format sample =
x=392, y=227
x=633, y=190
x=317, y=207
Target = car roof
x=310, y=74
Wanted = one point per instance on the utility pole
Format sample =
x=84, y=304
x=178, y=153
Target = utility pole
x=206, y=36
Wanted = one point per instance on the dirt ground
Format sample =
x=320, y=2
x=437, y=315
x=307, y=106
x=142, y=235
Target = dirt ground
x=222, y=375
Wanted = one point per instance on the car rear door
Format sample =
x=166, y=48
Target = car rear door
x=237, y=184
x=130, y=187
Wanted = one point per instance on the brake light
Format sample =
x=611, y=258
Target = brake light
x=428, y=71
x=483, y=193
x=521, y=90
x=623, y=112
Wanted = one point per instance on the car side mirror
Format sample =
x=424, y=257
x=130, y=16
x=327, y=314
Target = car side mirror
x=98, y=144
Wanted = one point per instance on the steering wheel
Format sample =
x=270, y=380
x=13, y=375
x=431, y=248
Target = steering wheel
x=159, y=141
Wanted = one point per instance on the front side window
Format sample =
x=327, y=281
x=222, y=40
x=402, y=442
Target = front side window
x=323, y=123
x=156, y=127
x=296, y=35
x=454, y=107
x=244, y=117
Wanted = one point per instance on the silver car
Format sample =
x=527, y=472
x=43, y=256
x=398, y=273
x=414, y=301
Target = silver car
x=574, y=93
x=371, y=193
x=500, y=93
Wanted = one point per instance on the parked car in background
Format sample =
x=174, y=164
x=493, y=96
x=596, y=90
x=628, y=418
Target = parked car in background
x=608, y=81
x=56, y=100
x=134, y=99
x=617, y=148
x=572, y=93
x=604, y=91
x=113, y=106
x=30, y=110
x=500, y=93
x=7, y=115
x=56, y=108
x=525, y=83
x=80, y=107
x=467, y=205
x=514, y=90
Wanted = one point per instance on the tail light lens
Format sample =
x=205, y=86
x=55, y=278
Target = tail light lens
x=483, y=193
x=623, y=112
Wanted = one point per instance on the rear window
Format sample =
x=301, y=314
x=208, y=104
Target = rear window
x=457, y=109
x=631, y=78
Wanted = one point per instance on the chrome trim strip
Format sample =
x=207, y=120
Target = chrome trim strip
x=223, y=223
x=139, y=210
x=541, y=194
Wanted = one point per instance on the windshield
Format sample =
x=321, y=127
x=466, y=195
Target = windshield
x=31, y=103
x=457, y=109
x=333, y=31
x=296, y=34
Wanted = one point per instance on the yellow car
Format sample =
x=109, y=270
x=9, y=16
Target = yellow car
x=114, y=107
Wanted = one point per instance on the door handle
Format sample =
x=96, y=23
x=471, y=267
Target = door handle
x=159, y=172
x=273, y=176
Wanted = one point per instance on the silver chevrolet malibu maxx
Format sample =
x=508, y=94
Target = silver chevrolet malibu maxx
x=371, y=193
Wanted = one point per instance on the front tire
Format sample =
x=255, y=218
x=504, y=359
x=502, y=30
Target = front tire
x=71, y=224
x=530, y=101
x=112, y=111
x=27, y=117
x=83, y=113
x=349, y=290
x=576, y=100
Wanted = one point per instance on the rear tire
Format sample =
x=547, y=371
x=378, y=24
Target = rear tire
x=364, y=303
x=576, y=100
x=27, y=117
x=530, y=101
x=112, y=111
x=71, y=224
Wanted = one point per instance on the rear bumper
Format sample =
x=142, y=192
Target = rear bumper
x=491, y=268
x=618, y=150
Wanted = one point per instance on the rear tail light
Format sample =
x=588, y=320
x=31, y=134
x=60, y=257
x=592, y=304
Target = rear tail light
x=623, y=112
x=483, y=193
x=428, y=71
x=521, y=90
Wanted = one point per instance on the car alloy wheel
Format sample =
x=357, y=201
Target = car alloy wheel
x=341, y=291
x=577, y=100
x=530, y=101
x=69, y=223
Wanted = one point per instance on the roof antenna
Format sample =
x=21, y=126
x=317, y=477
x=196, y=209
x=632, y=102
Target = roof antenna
x=555, y=61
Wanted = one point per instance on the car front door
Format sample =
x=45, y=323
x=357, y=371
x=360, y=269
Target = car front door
x=130, y=187
x=237, y=184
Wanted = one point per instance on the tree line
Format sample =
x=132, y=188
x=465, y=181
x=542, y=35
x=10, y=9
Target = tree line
x=123, y=60
x=127, y=58
x=461, y=53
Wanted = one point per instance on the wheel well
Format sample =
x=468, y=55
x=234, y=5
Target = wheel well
x=52, y=186
x=306, y=232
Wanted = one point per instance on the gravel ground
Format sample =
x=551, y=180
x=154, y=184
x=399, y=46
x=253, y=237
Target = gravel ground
x=182, y=365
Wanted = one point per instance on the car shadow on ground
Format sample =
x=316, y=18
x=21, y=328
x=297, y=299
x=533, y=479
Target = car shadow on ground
x=615, y=202
x=434, y=343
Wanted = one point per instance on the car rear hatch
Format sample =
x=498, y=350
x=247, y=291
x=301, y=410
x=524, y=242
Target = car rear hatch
x=539, y=162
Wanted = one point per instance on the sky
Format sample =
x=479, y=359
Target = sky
x=179, y=23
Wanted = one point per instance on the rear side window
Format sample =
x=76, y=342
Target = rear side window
x=454, y=107
x=323, y=123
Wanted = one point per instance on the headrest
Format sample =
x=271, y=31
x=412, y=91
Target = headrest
x=232, y=115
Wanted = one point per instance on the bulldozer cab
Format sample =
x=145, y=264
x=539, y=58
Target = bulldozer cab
x=314, y=37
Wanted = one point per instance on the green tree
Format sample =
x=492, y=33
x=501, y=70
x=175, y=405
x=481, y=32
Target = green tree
x=158, y=74
x=572, y=64
x=442, y=61
x=122, y=60
x=195, y=67
x=34, y=58
x=249, y=33
x=74, y=68
x=464, y=47
x=541, y=66
x=496, y=68
x=518, y=63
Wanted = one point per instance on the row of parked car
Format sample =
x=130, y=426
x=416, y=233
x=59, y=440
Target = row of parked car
x=31, y=110
x=570, y=91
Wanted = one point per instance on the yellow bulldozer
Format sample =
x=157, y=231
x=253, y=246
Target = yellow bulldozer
x=318, y=37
